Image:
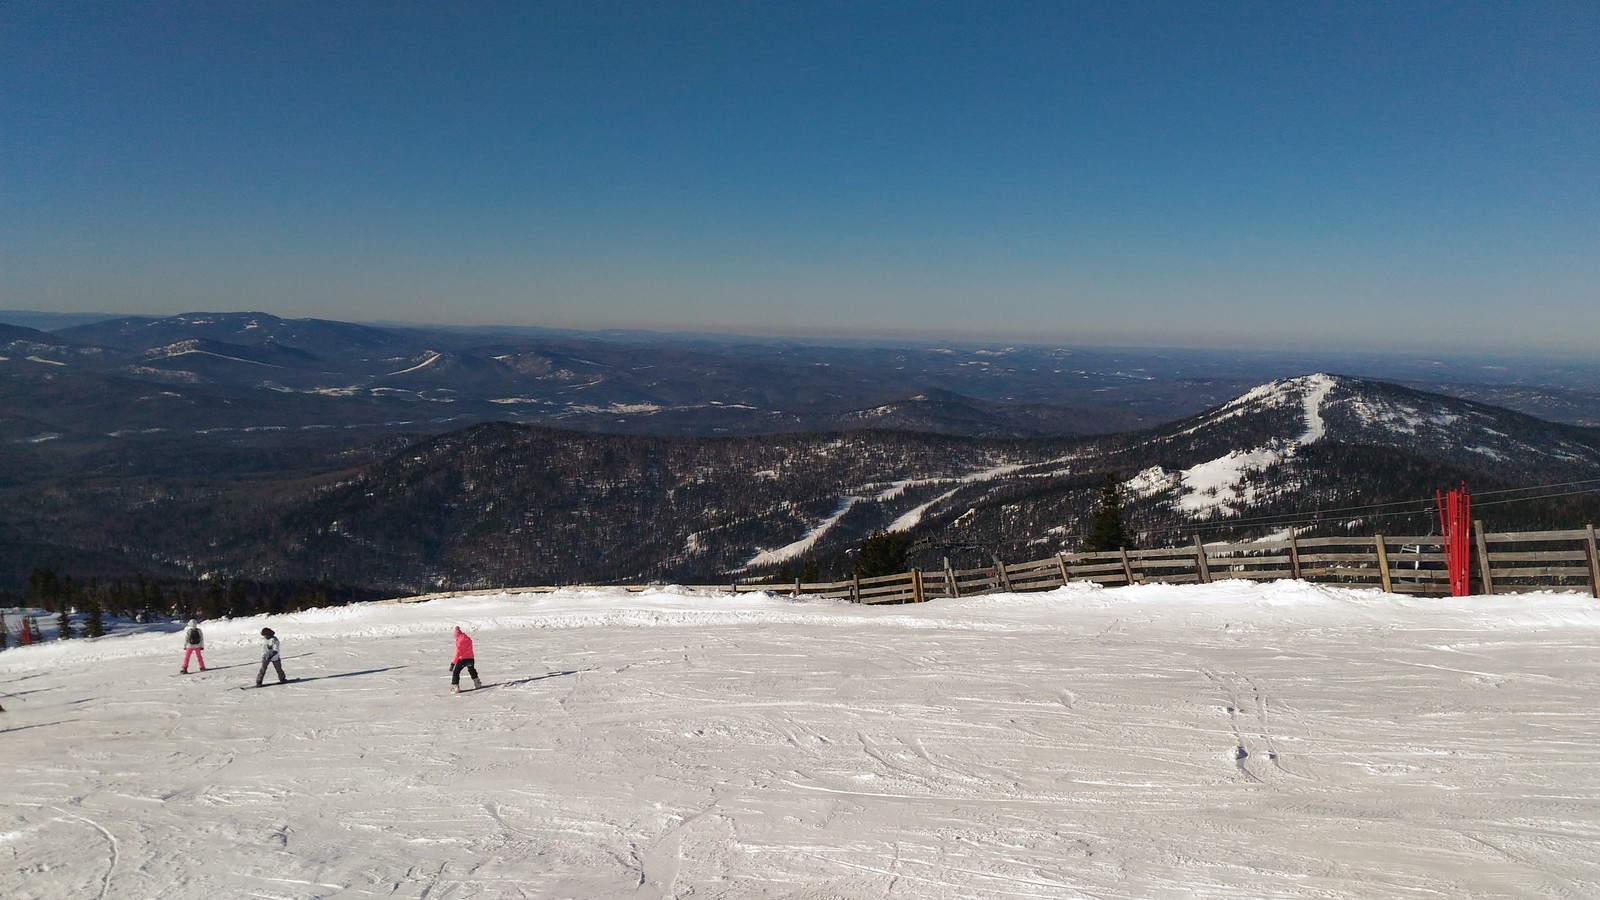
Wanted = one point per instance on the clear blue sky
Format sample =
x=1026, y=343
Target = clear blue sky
x=1192, y=174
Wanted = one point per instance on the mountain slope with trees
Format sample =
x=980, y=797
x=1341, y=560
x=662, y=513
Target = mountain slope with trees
x=501, y=504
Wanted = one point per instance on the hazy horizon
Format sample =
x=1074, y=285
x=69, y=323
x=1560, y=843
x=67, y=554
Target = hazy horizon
x=1478, y=357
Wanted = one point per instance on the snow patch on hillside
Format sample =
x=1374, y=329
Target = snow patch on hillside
x=1213, y=488
x=1150, y=482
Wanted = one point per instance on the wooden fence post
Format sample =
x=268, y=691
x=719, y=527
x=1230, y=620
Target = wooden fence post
x=1202, y=568
x=953, y=589
x=797, y=587
x=1127, y=568
x=1061, y=560
x=1294, y=556
x=1593, y=550
x=916, y=586
x=1483, y=558
x=1001, y=573
x=1383, y=563
x=855, y=587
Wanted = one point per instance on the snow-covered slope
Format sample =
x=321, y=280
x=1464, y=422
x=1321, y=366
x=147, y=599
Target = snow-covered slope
x=1228, y=740
x=1236, y=444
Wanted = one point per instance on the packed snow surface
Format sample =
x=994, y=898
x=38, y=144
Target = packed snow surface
x=1230, y=740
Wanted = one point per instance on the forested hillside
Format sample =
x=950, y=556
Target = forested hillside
x=500, y=504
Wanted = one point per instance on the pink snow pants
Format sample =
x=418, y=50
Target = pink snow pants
x=197, y=655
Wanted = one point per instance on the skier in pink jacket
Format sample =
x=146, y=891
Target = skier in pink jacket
x=463, y=660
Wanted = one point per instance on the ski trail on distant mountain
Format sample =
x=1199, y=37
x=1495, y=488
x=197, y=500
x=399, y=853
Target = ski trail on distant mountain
x=1317, y=388
x=800, y=547
x=433, y=357
x=1218, y=486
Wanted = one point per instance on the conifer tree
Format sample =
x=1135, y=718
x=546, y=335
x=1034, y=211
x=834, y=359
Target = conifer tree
x=44, y=589
x=33, y=630
x=214, y=604
x=5, y=635
x=1107, y=531
x=94, y=623
x=239, y=601
x=882, y=553
x=809, y=573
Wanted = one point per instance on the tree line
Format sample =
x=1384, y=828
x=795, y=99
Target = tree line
x=84, y=609
x=888, y=552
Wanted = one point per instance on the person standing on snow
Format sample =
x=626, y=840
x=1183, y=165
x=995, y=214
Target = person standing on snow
x=269, y=655
x=194, y=642
x=463, y=660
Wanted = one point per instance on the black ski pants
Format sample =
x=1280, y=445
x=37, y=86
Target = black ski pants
x=263, y=673
x=469, y=664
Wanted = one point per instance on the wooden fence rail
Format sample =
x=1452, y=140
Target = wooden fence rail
x=1503, y=562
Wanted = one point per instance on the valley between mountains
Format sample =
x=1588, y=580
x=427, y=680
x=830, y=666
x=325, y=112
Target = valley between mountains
x=500, y=504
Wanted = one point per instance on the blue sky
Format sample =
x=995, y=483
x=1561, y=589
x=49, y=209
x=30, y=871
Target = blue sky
x=1317, y=175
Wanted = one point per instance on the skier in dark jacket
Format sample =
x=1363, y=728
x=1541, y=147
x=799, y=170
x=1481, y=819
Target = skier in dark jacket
x=194, y=642
x=269, y=655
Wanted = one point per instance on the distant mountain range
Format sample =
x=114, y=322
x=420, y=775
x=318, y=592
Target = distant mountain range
x=220, y=373
x=210, y=473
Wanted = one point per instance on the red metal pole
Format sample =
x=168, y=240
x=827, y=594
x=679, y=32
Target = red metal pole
x=1455, y=525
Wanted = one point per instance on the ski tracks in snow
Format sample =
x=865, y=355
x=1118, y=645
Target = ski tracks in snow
x=111, y=841
x=1080, y=751
x=1255, y=736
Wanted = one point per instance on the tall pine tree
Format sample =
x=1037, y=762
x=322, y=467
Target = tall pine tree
x=94, y=621
x=1107, y=531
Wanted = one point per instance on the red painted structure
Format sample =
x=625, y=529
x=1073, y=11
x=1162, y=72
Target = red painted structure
x=1455, y=524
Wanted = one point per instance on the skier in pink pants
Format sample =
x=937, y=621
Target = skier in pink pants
x=193, y=644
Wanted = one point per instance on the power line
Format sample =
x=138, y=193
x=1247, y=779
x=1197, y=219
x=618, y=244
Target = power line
x=1536, y=487
x=1539, y=497
x=1376, y=510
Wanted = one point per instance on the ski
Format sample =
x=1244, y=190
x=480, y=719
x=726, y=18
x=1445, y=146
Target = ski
x=251, y=687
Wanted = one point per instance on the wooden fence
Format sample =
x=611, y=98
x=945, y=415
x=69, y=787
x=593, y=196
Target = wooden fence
x=1502, y=563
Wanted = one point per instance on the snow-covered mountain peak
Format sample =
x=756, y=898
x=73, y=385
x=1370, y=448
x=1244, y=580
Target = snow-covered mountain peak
x=1307, y=392
x=1229, y=459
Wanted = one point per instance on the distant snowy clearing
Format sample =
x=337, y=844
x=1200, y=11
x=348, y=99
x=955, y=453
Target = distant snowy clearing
x=1232, y=740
